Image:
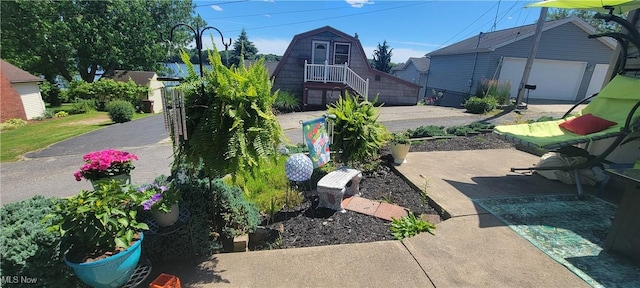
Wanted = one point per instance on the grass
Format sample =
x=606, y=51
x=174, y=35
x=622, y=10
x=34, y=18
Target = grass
x=40, y=134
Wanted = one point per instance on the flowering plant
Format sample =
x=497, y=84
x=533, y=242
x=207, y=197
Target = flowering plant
x=159, y=195
x=105, y=163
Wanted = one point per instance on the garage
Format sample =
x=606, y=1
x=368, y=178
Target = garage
x=555, y=80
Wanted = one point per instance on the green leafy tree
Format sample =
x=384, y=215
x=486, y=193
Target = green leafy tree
x=586, y=15
x=71, y=38
x=382, y=57
x=243, y=49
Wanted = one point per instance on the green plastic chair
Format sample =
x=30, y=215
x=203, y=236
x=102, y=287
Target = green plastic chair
x=618, y=101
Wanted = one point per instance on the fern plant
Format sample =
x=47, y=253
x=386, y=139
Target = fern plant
x=357, y=132
x=230, y=125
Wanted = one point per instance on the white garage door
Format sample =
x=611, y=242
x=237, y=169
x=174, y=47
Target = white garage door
x=556, y=80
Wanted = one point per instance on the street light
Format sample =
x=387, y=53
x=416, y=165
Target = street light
x=198, y=35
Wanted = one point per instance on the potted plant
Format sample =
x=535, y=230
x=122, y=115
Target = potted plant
x=400, y=144
x=100, y=233
x=106, y=165
x=161, y=198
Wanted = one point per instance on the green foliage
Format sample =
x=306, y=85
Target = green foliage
x=477, y=105
x=48, y=114
x=410, y=226
x=243, y=49
x=107, y=90
x=356, y=133
x=427, y=131
x=80, y=38
x=286, y=102
x=120, y=111
x=400, y=138
x=587, y=16
x=28, y=249
x=495, y=88
x=98, y=221
x=265, y=184
x=81, y=106
x=12, y=124
x=60, y=114
x=231, y=125
x=382, y=57
x=50, y=93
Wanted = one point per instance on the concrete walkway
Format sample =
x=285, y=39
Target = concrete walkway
x=471, y=249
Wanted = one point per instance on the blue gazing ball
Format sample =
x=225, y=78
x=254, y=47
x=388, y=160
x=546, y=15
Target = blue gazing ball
x=298, y=167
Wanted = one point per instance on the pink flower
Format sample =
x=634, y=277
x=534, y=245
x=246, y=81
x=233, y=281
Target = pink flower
x=105, y=163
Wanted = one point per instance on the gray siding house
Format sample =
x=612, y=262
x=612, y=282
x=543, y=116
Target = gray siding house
x=415, y=70
x=320, y=64
x=568, y=65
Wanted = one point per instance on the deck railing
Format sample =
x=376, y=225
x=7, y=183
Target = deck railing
x=326, y=73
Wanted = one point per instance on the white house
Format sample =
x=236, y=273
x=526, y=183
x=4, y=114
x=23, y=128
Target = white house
x=29, y=104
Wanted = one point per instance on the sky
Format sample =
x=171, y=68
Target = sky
x=411, y=28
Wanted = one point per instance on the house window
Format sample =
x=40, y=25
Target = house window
x=341, y=53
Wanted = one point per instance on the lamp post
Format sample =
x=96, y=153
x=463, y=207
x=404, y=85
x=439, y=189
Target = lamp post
x=198, y=33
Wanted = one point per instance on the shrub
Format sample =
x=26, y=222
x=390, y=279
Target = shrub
x=286, y=102
x=427, y=131
x=356, y=133
x=48, y=114
x=61, y=114
x=120, y=111
x=83, y=106
x=495, y=88
x=477, y=105
x=50, y=93
x=107, y=90
x=28, y=249
x=13, y=124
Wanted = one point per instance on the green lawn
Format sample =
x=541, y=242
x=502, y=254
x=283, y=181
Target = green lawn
x=40, y=134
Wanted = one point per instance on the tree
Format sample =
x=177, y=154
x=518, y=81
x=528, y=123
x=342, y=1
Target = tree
x=243, y=49
x=586, y=15
x=70, y=38
x=382, y=57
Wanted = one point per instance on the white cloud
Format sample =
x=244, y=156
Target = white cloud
x=216, y=7
x=358, y=3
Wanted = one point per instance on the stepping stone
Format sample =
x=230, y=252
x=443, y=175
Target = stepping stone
x=386, y=211
x=362, y=205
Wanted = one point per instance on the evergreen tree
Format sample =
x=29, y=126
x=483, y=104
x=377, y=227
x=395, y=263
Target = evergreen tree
x=243, y=48
x=382, y=57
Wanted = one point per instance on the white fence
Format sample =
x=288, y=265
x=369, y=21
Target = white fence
x=326, y=73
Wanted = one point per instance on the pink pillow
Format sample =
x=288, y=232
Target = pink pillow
x=586, y=124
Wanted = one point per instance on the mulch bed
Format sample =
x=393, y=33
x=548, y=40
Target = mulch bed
x=306, y=226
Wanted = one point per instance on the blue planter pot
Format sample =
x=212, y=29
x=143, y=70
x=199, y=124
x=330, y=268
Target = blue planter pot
x=109, y=272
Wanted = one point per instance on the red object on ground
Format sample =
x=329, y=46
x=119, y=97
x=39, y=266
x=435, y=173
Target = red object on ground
x=165, y=281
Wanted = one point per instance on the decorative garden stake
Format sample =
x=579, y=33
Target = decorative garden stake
x=298, y=167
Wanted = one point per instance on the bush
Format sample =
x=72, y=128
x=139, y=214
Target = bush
x=12, y=124
x=120, y=111
x=356, y=133
x=497, y=89
x=48, y=114
x=286, y=102
x=61, y=114
x=427, y=131
x=107, y=90
x=477, y=105
x=28, y=249
x=81, y=106
x=50, y=93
